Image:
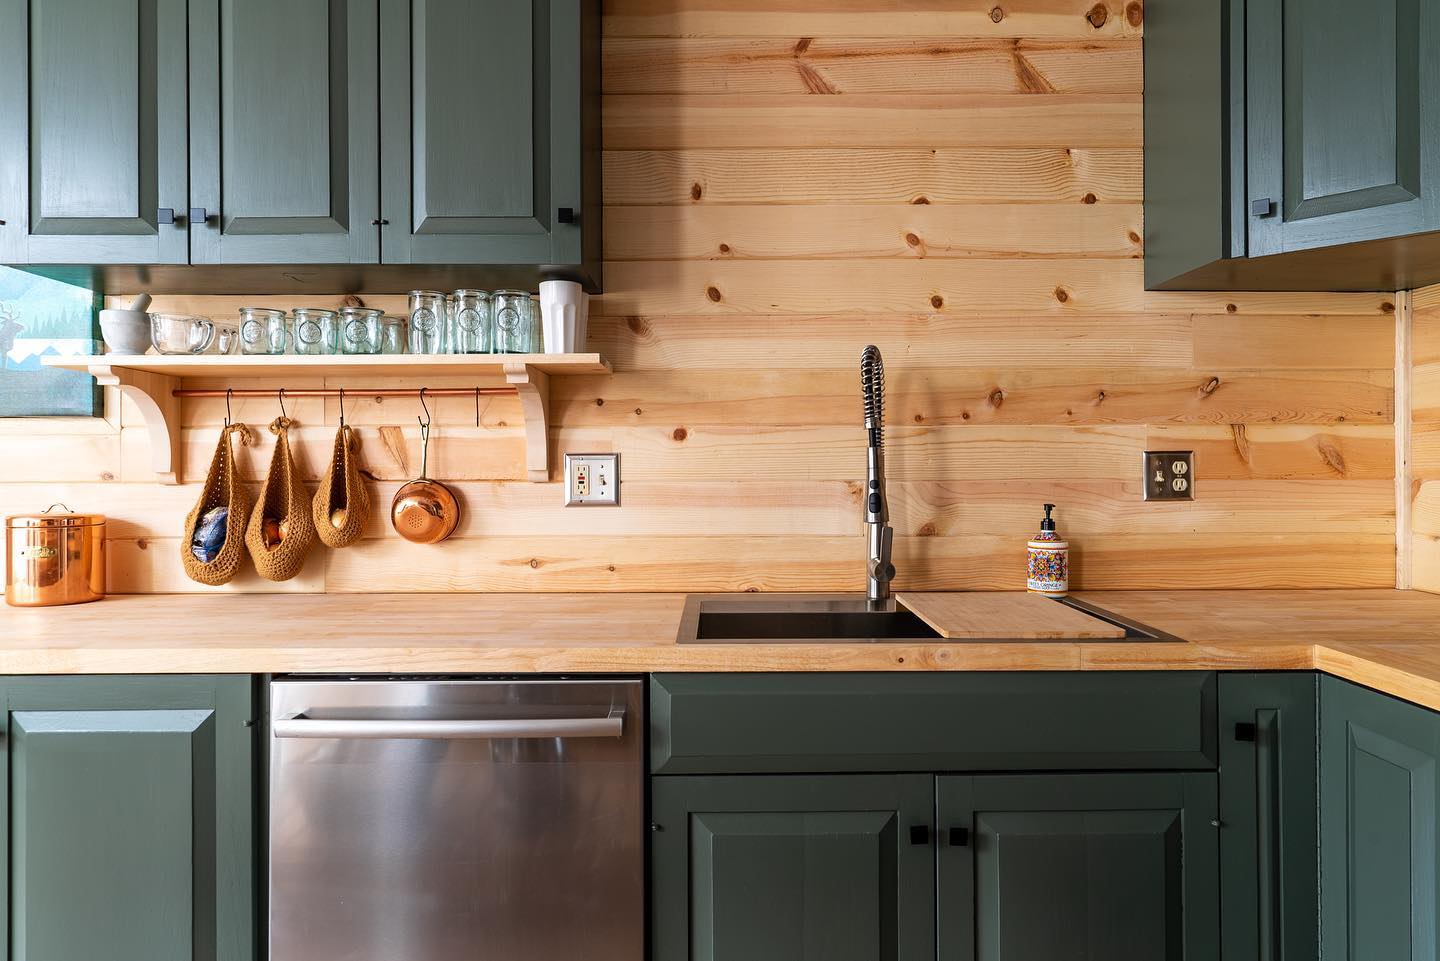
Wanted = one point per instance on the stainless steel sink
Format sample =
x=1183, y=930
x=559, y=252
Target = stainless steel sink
x=842, y=619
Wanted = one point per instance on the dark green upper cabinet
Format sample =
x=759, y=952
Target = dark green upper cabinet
x=130, y=814
x=224, y=146
x=1090, y=867
x=1292, y=144
x=284, y=101
x=92, y=131
x=484, y=132
x=1379, y=783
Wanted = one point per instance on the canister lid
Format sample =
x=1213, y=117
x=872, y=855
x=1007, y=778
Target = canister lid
x=56, y=515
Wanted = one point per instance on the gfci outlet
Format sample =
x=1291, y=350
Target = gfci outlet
x=592, y=480
x=1169, y=475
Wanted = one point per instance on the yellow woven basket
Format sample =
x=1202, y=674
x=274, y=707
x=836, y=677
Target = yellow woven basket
x=341, y=489
x=284, y=499
x=222, y=489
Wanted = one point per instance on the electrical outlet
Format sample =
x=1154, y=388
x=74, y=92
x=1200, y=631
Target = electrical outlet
x=1169, y=475
x=592, y=480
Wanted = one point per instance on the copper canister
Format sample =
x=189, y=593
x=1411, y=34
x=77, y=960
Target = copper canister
x=54, y=557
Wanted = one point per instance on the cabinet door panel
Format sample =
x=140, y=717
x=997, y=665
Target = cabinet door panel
x=1379, y=781
x=92, y=131
x=1117, y=867
x=130, y=818
x=482, y=111
x=1268, y=804
x=787, y=868
x=1344, y=123
x=284, y=129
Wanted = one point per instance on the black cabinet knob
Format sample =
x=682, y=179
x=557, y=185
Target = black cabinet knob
x=1264, y=207
x=959, y=837
x=1244, y=731
x=165, y=216
x=566, y=215
x=379, y=222
x=920, y=834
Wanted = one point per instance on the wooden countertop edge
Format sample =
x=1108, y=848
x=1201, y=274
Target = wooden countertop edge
x=1381, y=639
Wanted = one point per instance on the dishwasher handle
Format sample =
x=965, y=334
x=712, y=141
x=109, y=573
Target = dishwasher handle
x=539, y=727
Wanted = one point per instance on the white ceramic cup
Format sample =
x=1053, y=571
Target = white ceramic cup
x=564, y=312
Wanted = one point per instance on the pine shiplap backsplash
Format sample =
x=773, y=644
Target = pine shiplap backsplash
x=784, y=186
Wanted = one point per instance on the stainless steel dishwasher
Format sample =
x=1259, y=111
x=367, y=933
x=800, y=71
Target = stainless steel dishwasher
x=441, y=820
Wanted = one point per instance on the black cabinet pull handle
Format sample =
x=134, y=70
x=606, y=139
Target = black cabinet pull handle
x=165, y=216
x=566, y=215
x=959, y=837
x=1244, y=731
x=1264, y=207
x=379, y=222
x=920, y=834
x=199, y=216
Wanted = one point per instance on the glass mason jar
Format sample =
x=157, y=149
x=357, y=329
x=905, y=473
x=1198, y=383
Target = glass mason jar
x=263, y=331
x=392, y=335
x=470, y=323
x=316, y=331
x=511, y=309
x=427, y=322
x=360, y=330
x=537, y=327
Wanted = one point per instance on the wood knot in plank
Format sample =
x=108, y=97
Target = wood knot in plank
x=1029, y=77
x=1209, y=387
x=713, y=293
x=996, y=397
x=1062, y=295
x=1135, y=13
x=1331, y=455
x=1098, y=15
x=1241, y=440
x=638, y=326
x=696, y=191
x=996, y=14
x=679, y=434
x=1089, y=198
x=928, y=529
x=1387, y=308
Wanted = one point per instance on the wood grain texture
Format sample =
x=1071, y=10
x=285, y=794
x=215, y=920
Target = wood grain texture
x=851, y=65
x=1424, y=440
x=1384, y=639
x=869, y=175
x=787, y=181
x=993, y=615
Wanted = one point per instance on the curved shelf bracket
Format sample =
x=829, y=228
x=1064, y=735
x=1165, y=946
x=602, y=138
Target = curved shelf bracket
x=533, y=387
x=152, y=395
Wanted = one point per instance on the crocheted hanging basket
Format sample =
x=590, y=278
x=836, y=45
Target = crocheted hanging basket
x=342, y=505
x=222, y=489
x=284, y=507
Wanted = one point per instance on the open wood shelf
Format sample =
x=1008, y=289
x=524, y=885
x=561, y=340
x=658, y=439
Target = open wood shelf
x=150, y=380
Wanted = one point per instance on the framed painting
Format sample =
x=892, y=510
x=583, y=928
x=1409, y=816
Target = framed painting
x=41, y=317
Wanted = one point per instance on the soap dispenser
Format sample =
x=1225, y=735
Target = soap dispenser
x=1048, y=570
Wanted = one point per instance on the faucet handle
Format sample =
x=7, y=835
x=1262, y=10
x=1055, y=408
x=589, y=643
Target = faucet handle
x=880, y=567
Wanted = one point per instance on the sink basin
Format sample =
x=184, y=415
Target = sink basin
x=843, y=619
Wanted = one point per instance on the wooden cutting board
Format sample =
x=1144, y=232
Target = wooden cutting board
x=1001, y=615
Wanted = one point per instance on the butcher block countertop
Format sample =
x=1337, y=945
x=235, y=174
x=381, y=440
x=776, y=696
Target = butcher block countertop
x=1388, y=640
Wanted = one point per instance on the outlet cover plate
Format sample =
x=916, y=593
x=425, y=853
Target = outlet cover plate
x=1169, y=475
x=592, y=480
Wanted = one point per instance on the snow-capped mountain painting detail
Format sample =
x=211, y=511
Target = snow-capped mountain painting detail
x=40, y=317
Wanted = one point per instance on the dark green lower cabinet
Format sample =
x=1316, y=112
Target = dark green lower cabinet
x=1268, y=805
x=1379, y=781
x=1089, y=867
x=1102, y=867
x=130, y=808
x=797, y=868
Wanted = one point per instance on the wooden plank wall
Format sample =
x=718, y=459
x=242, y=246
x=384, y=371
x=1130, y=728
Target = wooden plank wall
x=956, y=181
x=1425, y=440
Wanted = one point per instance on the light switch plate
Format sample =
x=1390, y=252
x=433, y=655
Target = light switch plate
x=1169, y=475
x=592, y=480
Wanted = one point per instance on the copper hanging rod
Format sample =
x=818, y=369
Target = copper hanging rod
x=349, y=392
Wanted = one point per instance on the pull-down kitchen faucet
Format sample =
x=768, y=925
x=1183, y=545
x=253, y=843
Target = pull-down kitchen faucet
x=878, y=569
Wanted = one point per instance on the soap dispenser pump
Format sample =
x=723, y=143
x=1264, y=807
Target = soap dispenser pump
x=1048, y=569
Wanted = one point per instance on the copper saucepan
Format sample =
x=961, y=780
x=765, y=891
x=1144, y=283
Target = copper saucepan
x=424, y=511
